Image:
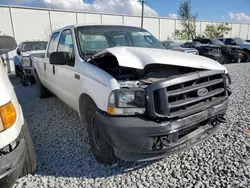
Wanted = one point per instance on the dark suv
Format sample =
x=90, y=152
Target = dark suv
x=230, y=53
x=206, y=50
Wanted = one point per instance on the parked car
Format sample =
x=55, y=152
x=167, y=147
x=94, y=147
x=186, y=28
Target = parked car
x=206, y=50
x=17, y=153
x=140, y=101
x=170, y=45
x=230, y=53
x=23, y=62
x=244, y=45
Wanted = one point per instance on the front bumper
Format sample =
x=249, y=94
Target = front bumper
x=11, y=165
x=134, y=138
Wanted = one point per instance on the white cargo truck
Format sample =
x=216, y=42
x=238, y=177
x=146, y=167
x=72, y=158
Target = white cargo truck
x=17, y=153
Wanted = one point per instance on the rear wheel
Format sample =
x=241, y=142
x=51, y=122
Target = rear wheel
x=102, y=151
x=42, y=91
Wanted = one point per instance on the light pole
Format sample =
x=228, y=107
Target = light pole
x=142, y=14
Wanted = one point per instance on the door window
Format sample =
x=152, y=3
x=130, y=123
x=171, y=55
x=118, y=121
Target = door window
x=66, y=42
x=52, y=43
x=229, y=41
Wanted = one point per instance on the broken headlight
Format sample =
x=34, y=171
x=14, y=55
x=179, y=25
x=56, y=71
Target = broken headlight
x=127, y=102
x=26, y=62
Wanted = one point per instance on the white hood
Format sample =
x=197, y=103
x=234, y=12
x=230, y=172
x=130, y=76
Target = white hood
x=138, y=58
x=28, y=53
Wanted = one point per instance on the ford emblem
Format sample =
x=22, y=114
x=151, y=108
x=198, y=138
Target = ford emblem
x=202, y=92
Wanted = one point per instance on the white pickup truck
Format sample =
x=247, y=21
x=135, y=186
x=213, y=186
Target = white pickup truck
x=17, y=153
x=140, y=101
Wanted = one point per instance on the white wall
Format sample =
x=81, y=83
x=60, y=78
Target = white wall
x=36, y=24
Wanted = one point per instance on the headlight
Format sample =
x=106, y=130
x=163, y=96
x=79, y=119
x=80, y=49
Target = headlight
x=127, y=102
x=26, y=62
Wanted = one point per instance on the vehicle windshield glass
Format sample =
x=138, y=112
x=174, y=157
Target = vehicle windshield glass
x=32, y=46
x=93, y=39
x=240, y=41
x=217, y=42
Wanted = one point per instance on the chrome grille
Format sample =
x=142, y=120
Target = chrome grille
x=186, y=94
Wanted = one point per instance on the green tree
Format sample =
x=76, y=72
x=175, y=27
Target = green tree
x=187, y=19
x=217, y=31
x=180, y=35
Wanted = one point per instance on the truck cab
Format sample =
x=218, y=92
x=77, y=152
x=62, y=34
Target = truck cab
x=139, y=101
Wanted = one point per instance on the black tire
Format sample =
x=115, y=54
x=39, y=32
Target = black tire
x=245, y=57
x=24, y=80
x=42, y=91
x=102, y=151
x=29, y=165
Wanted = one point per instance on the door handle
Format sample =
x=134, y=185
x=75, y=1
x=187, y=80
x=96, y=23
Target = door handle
x=44, y=66
x=77, y=76
x=54, y=71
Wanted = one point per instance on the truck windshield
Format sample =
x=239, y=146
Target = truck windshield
x=217, y=42
x=240, y=41
x=93, y=39
x=32, y=46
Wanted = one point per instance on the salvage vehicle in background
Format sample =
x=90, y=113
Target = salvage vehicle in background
x=170, y=45
x=17, y=153
x=140, y=101
x=23, y=62
x=244, y=45
x=230, y=53
x=206, y=50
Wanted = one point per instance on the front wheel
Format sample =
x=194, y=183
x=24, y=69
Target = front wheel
x=102, y=151
x=30, y=156
x=245, y=57
x=24, y=80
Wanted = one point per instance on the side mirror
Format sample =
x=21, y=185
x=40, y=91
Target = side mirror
x=60, y=58
x=18, y=51
x=7, y=44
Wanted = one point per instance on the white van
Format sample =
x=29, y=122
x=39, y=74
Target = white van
x=17, y=152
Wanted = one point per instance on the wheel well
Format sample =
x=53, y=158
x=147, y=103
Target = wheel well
x=246, y=50
x=84, y=101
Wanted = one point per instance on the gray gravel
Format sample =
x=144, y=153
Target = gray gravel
x=65, y=159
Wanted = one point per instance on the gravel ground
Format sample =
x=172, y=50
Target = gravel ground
x=65, y=159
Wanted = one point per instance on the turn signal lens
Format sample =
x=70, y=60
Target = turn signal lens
x=111, y=110
x=8, y=115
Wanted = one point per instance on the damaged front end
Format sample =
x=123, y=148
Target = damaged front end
x=161, y=109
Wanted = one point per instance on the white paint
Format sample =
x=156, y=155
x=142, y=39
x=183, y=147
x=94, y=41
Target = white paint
x=140, y=57
x=7, y=95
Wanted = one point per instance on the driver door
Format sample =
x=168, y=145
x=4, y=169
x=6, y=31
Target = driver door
x=67, y=79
